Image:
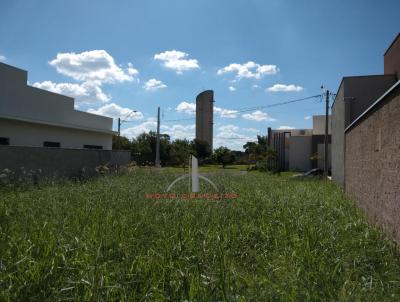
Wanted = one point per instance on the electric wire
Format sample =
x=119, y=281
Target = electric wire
x=248, y=109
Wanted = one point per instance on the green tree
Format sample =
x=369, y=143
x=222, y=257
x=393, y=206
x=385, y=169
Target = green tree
x=256, y=150
x=201, y=148
x=224, y=156
x=180, y=151
x=260, y=153
x=121, y=143
x=144, y=148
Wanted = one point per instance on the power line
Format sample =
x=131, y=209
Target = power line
x=247, y=109
x=178, y=120
x=276, y=104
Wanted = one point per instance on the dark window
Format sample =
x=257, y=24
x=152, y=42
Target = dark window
x=92, y=147
x=5, y=141
x=51, y=144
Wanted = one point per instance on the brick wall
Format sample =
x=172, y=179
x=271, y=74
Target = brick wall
x=372, y=164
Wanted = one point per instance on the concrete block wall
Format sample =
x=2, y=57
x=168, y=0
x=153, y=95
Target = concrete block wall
x=59, y=162
x=372, y=164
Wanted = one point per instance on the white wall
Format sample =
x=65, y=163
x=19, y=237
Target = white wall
x=32, y=134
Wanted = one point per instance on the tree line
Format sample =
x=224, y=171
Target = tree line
x=176, y=152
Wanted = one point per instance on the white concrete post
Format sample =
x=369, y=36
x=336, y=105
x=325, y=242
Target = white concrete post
x=195, y=175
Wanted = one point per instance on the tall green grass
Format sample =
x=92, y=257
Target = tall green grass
x=280, y=240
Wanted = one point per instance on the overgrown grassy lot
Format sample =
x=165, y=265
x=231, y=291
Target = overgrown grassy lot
x=280, y=240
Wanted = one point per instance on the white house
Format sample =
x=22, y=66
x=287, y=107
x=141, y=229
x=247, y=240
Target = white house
x=34, y=117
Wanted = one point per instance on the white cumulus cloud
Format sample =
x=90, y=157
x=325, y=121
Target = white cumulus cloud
x=253, y=130
x=190, y=108
x=179, y=131
x=93, y=65
x=225, y=113
x=258, y=116
x=115, y=111
x=131, y=70
x=154, y=84
x=308, y=117
x=149, y=125
x=231, y=88
x=185, y=107
x=249, y=70
x=285, y=88
x=230, y=136
x=2, y=58
x=229, y=131
x=285, y=128
x=177, y=60
x=84, y=93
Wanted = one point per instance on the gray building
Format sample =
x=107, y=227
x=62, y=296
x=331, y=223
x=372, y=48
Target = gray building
x=204, y=117
x=300, y=149
x=355, y=95
x=38, y=118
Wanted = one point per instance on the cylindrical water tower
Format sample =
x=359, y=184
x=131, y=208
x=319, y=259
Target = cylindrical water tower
x=204, y=116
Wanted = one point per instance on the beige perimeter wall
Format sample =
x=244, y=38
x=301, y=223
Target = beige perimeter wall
x=58, y=162
x=372, y=164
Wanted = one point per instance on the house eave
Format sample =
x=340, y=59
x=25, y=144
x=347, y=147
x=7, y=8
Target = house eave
x=55, y=124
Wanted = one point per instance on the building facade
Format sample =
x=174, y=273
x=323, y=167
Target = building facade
x=300, y=149
x=204, y=117
x=354, y=96
x=38, y=118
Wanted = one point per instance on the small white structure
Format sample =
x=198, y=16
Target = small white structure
x=193, y=176
x=34, y=117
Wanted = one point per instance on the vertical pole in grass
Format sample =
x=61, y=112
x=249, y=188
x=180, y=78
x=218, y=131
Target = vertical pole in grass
x=326, y=135
x=190, y=175
x=195, y=175
x=158, y=140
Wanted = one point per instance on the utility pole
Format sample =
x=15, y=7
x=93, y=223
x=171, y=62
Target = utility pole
x=119, y=126
x=119, y=133
x=158, y=140
x=326, y=134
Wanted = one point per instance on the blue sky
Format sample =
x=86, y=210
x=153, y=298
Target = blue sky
x=115, y=56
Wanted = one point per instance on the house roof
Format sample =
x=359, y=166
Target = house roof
x=63, y=125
